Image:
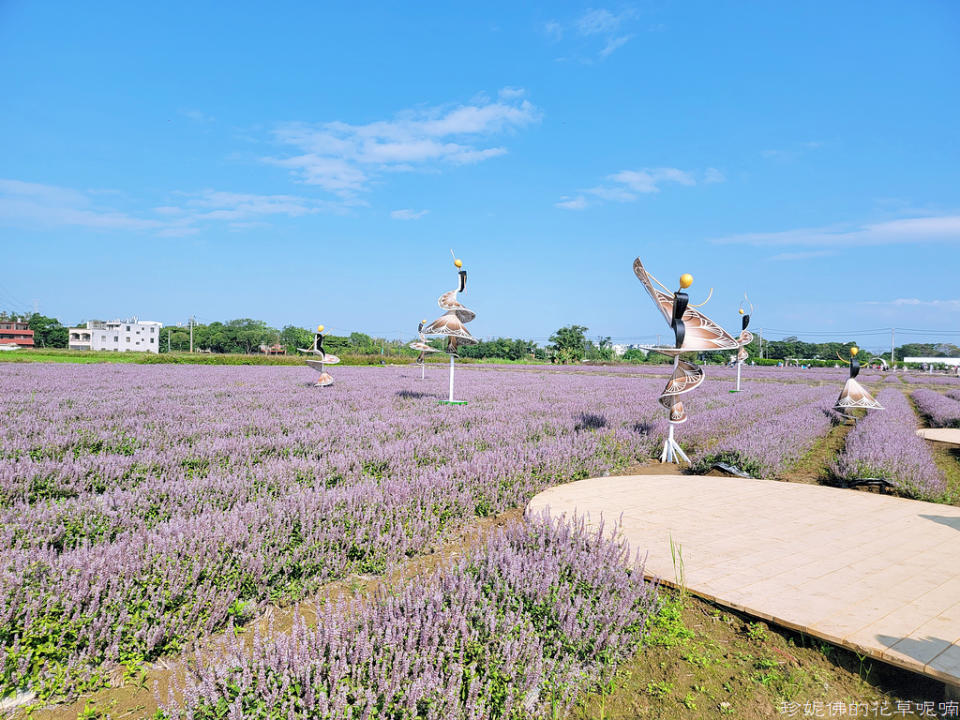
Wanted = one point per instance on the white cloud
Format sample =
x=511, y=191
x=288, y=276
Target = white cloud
x=802, y=255
x=615, y=43
x=788, y=154
x=906, y=231
x=554, y=30
x=197, y=116
x=626, y=185
x=215, y=205
x=601, y=32
x=408, y=214
x=648, y=180
x=615, y=194
x=712, y=175
x=576, y=203
x=916, y=302
x=49, y=206
x=38, y=205
x=344, y=159
x=598, y=22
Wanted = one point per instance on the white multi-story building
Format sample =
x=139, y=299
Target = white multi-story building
x=620, y=349
x=117, y=335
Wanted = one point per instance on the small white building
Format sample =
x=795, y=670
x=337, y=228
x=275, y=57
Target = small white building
x=933, y=360
x=117, y=335
x=620, y=349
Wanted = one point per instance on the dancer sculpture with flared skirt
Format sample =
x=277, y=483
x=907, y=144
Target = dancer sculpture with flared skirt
x=423, y=347
x=746, y=337
x=452, y=324
x=325, y=358
x=854, y=395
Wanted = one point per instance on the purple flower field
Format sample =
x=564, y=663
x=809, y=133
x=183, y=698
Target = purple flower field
x=515, y=629
x=767, y=436
x=943, y=410
x=885, y=445
x=144, y=507
x=930, y=379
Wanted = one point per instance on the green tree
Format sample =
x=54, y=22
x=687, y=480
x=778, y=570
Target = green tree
x=569, y=343
x=293, y=337
x=47, y=331
x=601, y=350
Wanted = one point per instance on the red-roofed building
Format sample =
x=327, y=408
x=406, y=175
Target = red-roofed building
x=14, y=331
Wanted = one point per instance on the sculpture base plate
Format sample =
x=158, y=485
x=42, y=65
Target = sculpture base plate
x=734, y=391
x=451, y=402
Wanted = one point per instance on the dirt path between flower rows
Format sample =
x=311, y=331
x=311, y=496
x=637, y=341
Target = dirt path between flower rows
x=814, y=467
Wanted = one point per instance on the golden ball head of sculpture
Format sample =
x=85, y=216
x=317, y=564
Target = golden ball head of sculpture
x=458, y=262
x=319, y=328
x=854, y=350
x=741, y=311
x=686, y=280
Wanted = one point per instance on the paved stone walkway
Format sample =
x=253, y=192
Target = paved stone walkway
x=944, y=435
x=876, y=574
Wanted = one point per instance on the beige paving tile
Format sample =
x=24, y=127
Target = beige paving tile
x=863, y=570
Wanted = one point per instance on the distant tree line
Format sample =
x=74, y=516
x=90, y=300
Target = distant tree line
x=245, y=335
x=568, y=344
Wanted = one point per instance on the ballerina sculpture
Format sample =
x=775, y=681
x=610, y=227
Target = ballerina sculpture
x=693, y=332
x=745, y=338
x=452, y=324
x=423, y=347
x=325, y=379
x=854, y=395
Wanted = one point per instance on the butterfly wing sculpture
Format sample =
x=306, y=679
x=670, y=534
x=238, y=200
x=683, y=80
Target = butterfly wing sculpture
x=694, y=332
x=700, y=333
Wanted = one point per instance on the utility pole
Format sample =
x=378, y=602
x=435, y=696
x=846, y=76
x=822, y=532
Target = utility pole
x=891, y=346
x=191, y=333
x=168, y=339
x=760, y=335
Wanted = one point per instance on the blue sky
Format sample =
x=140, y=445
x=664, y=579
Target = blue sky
x=310, y=162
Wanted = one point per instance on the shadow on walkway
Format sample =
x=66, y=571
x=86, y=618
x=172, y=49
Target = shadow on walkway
x=952, y=522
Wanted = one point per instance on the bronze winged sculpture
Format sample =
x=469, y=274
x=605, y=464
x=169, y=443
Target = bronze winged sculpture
x=693, y=332
x=452, y=324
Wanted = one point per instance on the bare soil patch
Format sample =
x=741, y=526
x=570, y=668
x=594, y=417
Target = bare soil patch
x=703, y=661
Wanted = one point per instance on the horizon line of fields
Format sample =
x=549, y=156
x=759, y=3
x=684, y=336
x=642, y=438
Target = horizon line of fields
x=24, y=355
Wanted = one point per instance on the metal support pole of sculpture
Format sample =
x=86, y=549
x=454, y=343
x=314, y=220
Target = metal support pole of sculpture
x=325, y=358
x=452, y=324
x=672, y=452
x=693, y=332
x=450, y=399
